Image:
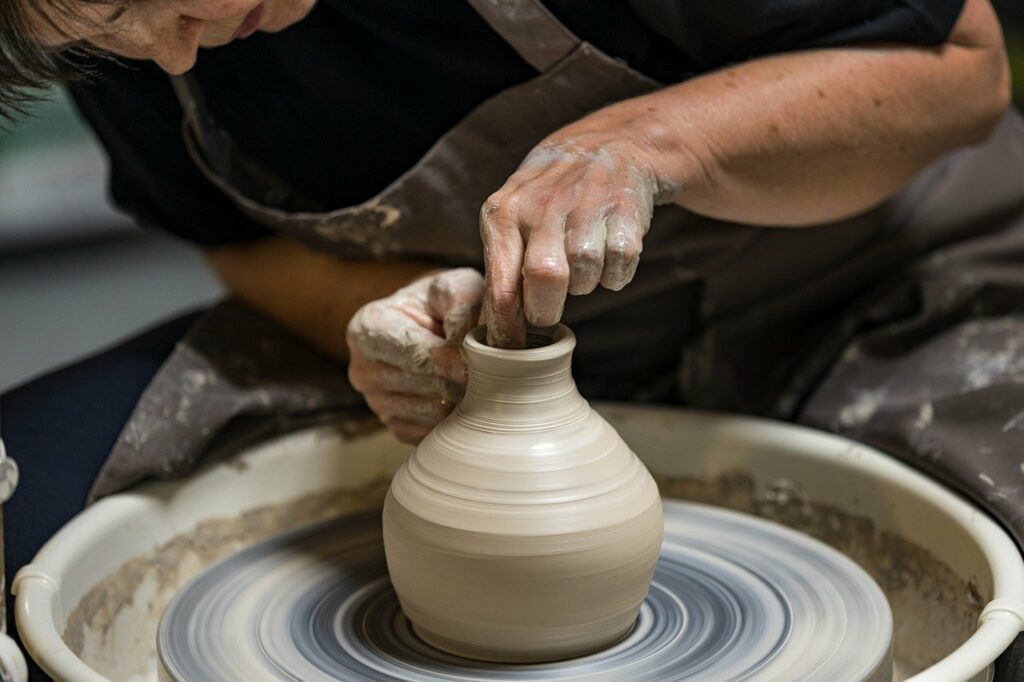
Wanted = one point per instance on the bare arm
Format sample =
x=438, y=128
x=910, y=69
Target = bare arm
x=802, y=138
x=793, y=139
x=313, y=294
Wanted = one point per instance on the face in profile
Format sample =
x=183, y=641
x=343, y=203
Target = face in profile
x=168, y=32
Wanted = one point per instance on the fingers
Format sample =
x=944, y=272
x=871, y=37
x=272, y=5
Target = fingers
x=455, y=298
x=388, y=333
x=451, y=365
x=401, y=354
x=460, y=319
x=572, y=217
x=408, y=432
x=623, y=244
x=545, y=274
x=602, y=245
x=369, y=376
x=503, y=256
x=409, y=418
x=410, y=408
x=585, y=237
x=409, y=404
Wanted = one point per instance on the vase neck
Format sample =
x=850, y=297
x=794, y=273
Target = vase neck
x=532, y=385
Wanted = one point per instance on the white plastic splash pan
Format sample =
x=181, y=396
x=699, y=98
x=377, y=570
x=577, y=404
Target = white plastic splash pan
x=88, y=606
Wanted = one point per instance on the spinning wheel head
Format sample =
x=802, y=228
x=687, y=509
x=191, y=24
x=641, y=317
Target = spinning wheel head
x=733, y=597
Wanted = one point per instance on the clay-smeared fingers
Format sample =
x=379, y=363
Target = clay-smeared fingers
x=573, y=216
x=459, y=320
x=411, y=408
x=545, y=273
x=585, y=237
x=503, y=256
x=451, y=365
x=455, y=298
x=407, y=432
x=386, y=334
x=405, y=350
x=370, y=376
x=623, y=244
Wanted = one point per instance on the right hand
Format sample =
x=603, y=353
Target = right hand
x=572, y=217
x=405, y=351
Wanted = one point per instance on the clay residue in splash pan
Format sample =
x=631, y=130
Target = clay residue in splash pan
x=934, y=610
x=113, y=628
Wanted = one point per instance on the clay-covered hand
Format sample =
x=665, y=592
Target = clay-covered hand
x=572, y=216
x=405, y=351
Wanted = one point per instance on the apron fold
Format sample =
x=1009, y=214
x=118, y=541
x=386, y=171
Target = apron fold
x=235, y=367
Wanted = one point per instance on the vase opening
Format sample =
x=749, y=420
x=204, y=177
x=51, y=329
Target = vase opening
x=537, y=340
x=558, y=338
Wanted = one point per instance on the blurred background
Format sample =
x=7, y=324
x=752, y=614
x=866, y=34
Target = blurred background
x=76, y=276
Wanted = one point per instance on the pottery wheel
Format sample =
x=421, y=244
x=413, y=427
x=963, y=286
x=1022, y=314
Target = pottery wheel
x=734, y=597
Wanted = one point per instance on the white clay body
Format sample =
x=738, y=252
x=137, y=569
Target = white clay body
x=522, y=529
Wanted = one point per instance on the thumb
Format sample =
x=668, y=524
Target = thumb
x=454, y=298
x=450, y=363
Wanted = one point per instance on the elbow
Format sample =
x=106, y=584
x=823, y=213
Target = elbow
x=993, y=95
x=984, y=86
x=1003, y=91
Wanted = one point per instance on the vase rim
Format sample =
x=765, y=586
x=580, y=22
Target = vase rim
x=560, y=341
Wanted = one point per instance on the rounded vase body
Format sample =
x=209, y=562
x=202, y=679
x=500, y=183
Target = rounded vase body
x=522, y=529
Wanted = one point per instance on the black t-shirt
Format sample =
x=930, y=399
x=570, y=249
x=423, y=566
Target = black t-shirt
x=345, y=101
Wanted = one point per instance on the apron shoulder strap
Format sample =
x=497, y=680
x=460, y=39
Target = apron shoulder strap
x=215, y=153
x=530, y=28
x=183, y=92
x=193, y=105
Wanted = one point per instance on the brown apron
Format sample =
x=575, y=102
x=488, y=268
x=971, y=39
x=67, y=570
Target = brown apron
x=842, y=325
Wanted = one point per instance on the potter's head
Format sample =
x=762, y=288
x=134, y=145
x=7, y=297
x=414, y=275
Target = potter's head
x=168, y=32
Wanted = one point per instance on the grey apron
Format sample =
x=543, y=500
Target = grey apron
x=852, y=326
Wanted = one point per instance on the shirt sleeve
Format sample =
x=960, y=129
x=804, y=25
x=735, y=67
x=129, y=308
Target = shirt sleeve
x=715, y=33
x=133, y=111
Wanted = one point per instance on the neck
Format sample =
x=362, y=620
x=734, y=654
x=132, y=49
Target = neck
x=522, y=390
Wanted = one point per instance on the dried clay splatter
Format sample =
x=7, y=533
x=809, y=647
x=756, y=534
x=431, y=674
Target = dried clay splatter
x=113, y=627
x=934, y=609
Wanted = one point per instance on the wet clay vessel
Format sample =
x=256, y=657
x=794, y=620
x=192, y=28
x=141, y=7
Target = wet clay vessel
x=522, y=529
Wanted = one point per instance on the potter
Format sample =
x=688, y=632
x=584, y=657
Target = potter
x=522, y=528
x=708, y=200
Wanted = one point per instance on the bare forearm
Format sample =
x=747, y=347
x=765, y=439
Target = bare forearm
x=814, y=136
x=310, y=293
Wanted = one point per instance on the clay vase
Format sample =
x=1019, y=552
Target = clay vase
x=522, y=529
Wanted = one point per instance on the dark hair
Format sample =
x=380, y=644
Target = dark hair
x=26, y=67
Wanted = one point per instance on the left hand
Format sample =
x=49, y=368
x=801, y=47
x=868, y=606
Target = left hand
x=405, y=350
x=572, y=216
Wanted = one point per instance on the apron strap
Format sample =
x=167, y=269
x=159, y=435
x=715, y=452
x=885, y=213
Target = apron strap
x=193, y=105
x=216, y=153
x=530, y=28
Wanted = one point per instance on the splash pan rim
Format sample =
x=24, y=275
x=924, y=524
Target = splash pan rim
x=118, y=528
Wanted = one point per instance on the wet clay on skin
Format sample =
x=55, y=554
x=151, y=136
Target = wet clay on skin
x=523, y=529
